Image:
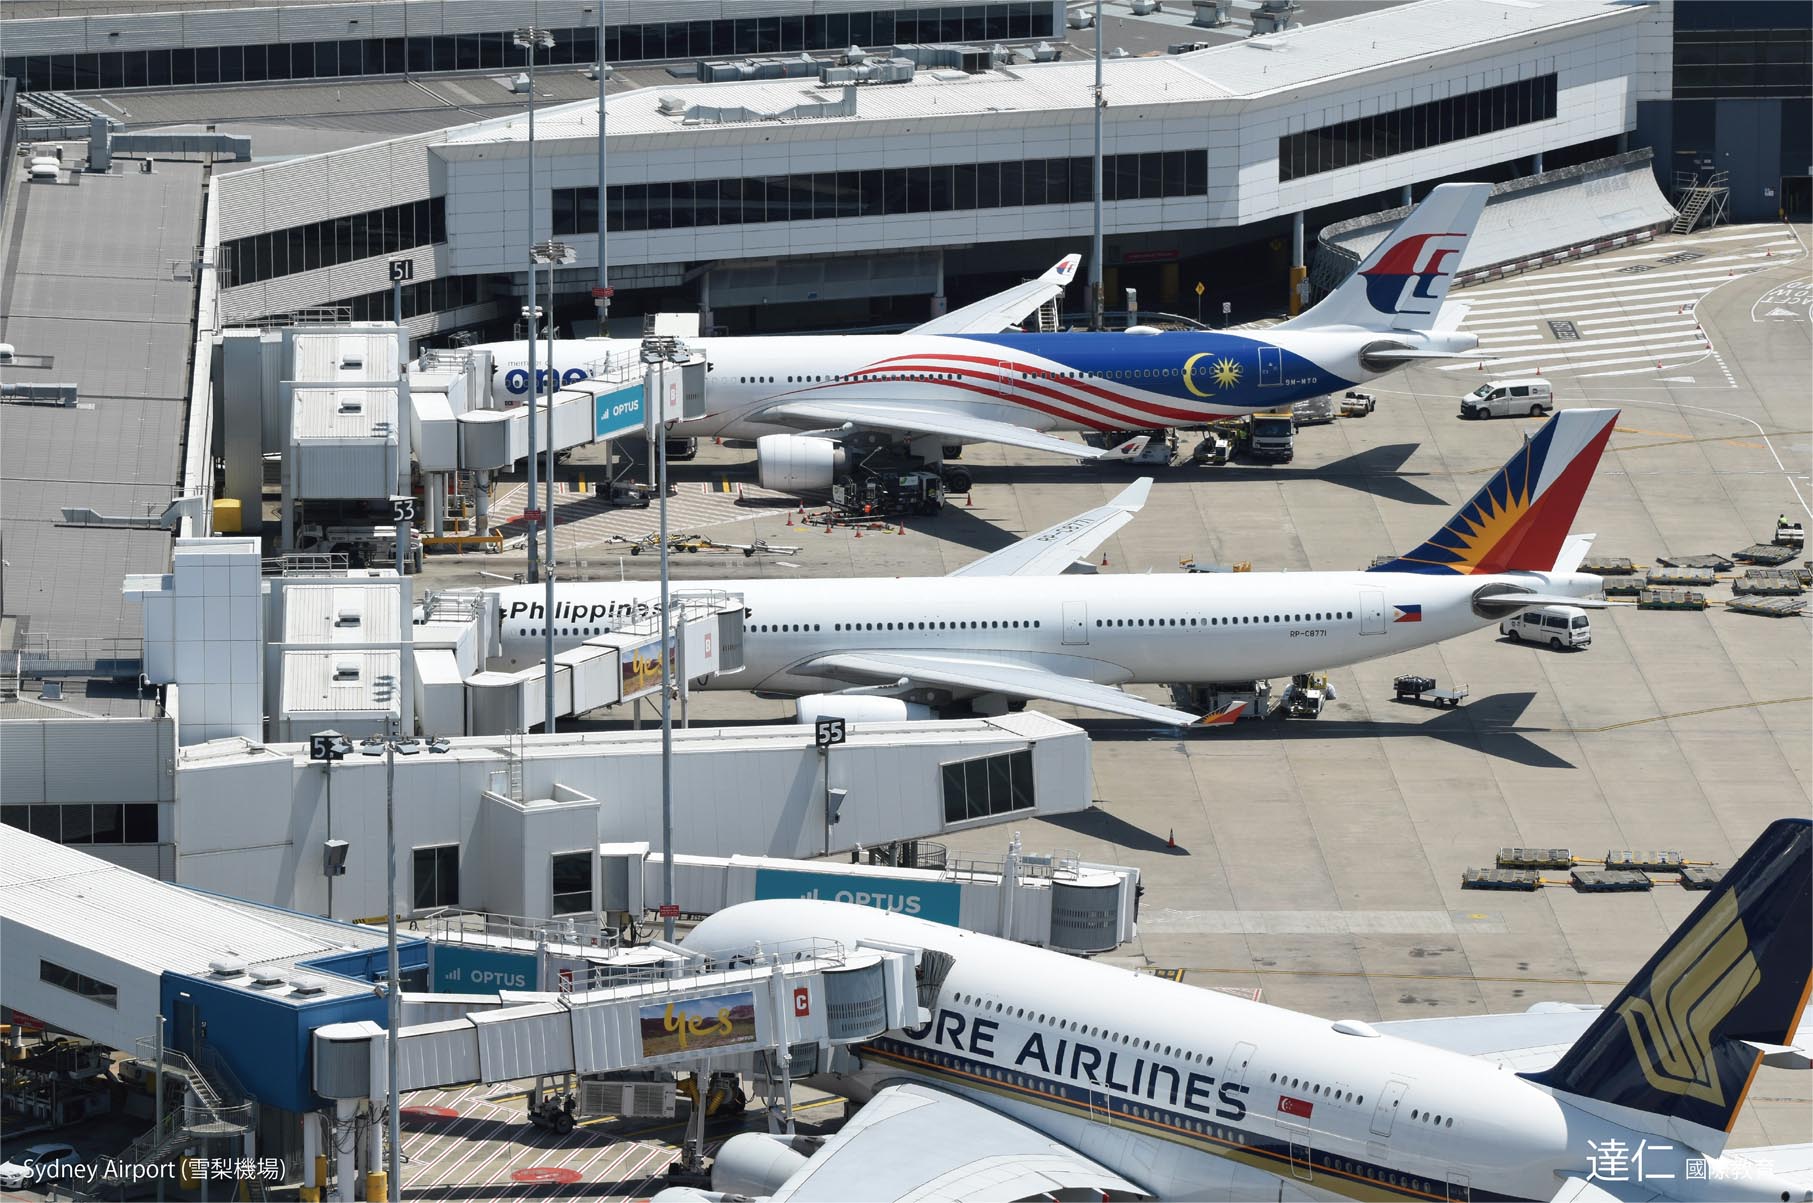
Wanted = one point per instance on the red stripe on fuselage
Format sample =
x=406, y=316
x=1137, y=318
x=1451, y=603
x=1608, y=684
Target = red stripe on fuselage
x=1038, y=379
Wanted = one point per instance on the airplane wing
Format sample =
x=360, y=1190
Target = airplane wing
x=1575, y=1189
x=975, y=674
x=995, y=314
x=1523, y=1041
x=916, y=1142
x=958, y=427
x=1056, y=548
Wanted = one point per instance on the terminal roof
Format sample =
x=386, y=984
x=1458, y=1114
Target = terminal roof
x=1318, y=55
x=155, y=925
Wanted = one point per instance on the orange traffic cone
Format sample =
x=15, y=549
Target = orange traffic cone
x=1481, y=367
x=1104, y=559
x=1171, y=840
x=902, y=529
x=859, y=532
x=790, y=519
x=969, y=499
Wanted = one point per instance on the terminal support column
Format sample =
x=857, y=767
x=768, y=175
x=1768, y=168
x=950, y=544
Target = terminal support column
x=1298, y=271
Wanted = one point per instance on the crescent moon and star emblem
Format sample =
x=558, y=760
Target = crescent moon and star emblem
x=1224, y=372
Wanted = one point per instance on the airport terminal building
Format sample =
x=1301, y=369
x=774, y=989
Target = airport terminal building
x=777, y=200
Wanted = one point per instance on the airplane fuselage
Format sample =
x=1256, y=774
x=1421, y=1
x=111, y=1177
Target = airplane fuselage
x=1112, y=630
x=1046, y=382
x=1193, y=1094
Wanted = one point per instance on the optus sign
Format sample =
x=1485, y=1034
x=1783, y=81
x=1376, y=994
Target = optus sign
x=939, y=901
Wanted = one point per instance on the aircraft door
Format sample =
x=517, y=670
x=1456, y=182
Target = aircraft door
x=1372, y=612
x=1010, y=380
x=1236, y=1068
x=1302, y=1159
x=1387, y=1108
x=1076, y=623
x=1271, y=367
x=1460, y=1188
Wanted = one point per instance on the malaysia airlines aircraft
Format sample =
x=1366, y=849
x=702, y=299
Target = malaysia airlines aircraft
x=1034, y=1075
x=959, y=379
x=982, y=634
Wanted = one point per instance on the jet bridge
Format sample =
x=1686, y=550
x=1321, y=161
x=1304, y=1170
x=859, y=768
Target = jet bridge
x=764, y=1012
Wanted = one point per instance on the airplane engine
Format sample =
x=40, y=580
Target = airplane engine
x=755, y=1163
x=791, y=463
x=859, y=708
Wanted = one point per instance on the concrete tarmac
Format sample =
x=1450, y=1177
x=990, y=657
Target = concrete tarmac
x=1319, y=862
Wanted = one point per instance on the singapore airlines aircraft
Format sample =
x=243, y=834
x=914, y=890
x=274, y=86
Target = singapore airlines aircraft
x=1034, y=1075
x=983, y=634
x=958, y=379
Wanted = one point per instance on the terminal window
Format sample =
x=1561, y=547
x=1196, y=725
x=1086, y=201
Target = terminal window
x=880, y=192
x=572, y=882
x=335, y=241
x=1416, y=127
x=988, y=786
x=90, y=988
x=436, y=874
x=424, y=54
x=86, y=823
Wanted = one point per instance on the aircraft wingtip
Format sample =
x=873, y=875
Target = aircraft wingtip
x=1223, y=717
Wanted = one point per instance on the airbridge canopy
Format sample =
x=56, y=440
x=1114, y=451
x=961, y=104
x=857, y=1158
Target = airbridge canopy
x=814, y=994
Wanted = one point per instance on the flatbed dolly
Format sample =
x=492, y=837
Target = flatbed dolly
x=1416, y=689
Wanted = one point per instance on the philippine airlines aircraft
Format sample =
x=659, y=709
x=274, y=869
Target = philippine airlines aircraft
x=1034, y=1075
x=958, y=379
x=982, y=634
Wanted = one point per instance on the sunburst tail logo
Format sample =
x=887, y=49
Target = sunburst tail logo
x=1519, y=519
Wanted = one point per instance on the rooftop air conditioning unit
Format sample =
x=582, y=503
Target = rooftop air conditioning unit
x=352, y=405
x=348, y=617
x=672, y=105
x=268, y=979
x=226, y=968
x=308, y=987
x=352, y=359
x=346, y=670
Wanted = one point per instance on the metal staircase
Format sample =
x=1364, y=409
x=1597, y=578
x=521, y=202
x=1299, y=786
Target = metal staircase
x=1696, y=198
x=1048, y=317
x=214, y=1107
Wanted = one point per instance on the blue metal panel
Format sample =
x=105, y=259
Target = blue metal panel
x=459, y=969
x=264, y=1039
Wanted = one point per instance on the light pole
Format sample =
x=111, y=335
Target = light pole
x=532, y=39
x=550, y=253
x=1095, y=254
x=658, y=352
x=601, y=295
x=387, y=746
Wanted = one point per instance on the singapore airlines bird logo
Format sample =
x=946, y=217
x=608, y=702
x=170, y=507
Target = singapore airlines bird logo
x=1225, y=373
x=1691, y=992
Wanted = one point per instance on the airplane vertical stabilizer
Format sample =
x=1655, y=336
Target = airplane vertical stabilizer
x=1684, y=1039
x=1519, y=520
x=1401, y=285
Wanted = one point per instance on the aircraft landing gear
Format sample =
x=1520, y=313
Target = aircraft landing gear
x=957, y=480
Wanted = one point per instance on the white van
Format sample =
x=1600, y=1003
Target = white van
x=1557, y=626
x=1508, y=398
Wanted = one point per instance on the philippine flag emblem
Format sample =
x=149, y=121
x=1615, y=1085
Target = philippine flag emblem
x=1408, y=614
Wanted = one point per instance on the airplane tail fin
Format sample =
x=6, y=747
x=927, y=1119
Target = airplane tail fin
x=1401, y=284
x=1683, y=1040
x=1518, y=521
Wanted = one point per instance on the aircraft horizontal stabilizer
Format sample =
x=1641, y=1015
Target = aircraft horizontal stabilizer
x=1508, y=602
x=929, y=419
x=1406, y=355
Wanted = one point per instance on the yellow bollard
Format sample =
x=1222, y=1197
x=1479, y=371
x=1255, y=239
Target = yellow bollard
x=377, y=1186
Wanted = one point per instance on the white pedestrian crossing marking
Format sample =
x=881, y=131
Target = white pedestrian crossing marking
x=1632, y=308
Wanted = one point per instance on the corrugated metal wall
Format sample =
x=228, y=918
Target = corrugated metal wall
x=88, y=760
